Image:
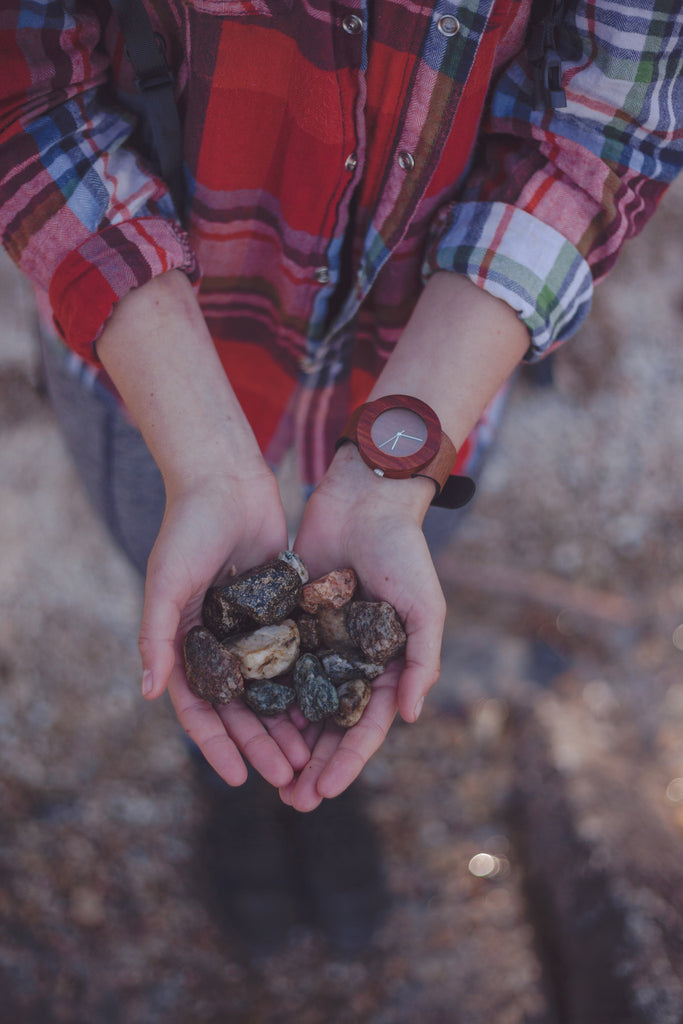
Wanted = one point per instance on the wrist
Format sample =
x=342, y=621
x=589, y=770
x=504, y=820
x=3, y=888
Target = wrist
x=160, y=355
x=351, y=480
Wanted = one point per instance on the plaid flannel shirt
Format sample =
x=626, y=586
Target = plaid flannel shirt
x=336, y=155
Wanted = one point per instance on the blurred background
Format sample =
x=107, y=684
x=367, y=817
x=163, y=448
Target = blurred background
x=532, y=822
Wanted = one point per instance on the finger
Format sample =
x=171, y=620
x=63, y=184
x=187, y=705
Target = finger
x=358, y=744
x=304, y=795
x=259, y=748
x=290, y=740
x=157, y=637
x=422, y=665
x=310, y=736
x=204, y=727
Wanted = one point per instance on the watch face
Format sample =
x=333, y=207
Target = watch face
x=397, y=435
x=399, y=432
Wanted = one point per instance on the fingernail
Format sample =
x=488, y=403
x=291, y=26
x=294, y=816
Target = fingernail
x=418, y=709
x=147, y=684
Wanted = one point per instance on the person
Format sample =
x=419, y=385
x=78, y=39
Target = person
x=376, y=203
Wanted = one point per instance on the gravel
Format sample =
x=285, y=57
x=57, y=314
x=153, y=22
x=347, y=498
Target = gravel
x=564, y=584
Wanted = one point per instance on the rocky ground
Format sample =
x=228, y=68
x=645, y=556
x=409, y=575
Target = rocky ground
x=531, y=824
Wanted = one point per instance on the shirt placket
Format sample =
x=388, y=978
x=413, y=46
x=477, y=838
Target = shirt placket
x=320, y=358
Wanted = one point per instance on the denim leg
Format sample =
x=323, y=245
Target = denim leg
x=117, y=469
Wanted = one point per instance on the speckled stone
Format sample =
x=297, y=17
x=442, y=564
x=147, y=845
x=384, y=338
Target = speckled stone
x=376, y=628
x=269, y=698
x=213, y=672
x=332, y=630
x=315, y=695
x=333, y=590
x=221, y=617
x=267, y=652
x=340, y=667
x=309, y=635
x=353, y=695
x=262, y=596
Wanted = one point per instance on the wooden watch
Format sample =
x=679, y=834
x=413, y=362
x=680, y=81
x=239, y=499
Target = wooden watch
x=399, y=436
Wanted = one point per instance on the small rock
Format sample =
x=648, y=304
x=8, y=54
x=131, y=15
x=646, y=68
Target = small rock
x=353, y=695
x=332, y=629
x=376, y=628
x=315, y=695
x=219, y=615
x=213, y=672
x=296, y=562
x=264, y=595
x=340, y=667
x=267, y=652
x=309, y=635
x=269, y=698
x=333, y=590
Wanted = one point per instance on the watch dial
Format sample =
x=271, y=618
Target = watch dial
x=399, y=432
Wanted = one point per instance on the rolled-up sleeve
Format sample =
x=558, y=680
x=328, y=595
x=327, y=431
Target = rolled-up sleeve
x=81, y=213
x=552, y=194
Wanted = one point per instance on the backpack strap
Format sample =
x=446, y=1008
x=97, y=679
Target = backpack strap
x=543, y=50
x=154, y=81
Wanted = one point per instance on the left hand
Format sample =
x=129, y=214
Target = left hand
x=374, y=526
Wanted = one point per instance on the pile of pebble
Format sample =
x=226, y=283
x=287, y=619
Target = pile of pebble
x=274, y=638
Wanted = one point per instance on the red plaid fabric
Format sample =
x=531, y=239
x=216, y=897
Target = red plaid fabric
x=336, y=154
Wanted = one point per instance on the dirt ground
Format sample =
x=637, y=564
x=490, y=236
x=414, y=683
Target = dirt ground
x=565, y=589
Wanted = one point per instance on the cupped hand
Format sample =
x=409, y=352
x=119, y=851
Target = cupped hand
x=374, y=526
x=207, y=533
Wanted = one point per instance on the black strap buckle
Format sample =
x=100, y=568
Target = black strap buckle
x=156, y=78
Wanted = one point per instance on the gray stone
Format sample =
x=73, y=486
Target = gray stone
x=339, y=667
x=262, y=596
x=269, y=698
x=315, y=695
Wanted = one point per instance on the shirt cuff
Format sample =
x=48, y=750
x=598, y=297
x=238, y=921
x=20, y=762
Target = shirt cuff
x=98, y=273
x=519, y=259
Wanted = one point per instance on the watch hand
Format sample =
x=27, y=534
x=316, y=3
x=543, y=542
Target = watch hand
x=397, y=437
x=394, y=437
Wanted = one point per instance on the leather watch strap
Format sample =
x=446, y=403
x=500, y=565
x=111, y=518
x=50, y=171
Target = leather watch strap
x=439, y=469
x=451, y=491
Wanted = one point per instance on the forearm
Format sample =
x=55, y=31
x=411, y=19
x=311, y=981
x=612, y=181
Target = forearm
x=458, y=349
x=159, y=353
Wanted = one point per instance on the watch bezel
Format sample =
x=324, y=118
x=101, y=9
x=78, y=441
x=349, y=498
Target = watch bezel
x=398, y=467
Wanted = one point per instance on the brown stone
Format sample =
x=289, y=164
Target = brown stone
x=375, y=627
x=332, y=630
x=309, y=635
x=213, y=672
x=333, y=590
x=353, y=696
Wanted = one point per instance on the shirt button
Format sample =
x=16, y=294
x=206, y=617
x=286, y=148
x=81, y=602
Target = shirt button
x=322, y=275
x=351, y=162
x=352, y=24
x=448, y=25
x=406, y=160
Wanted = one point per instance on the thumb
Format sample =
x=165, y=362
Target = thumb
x=422, y=662
x=157, y=637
